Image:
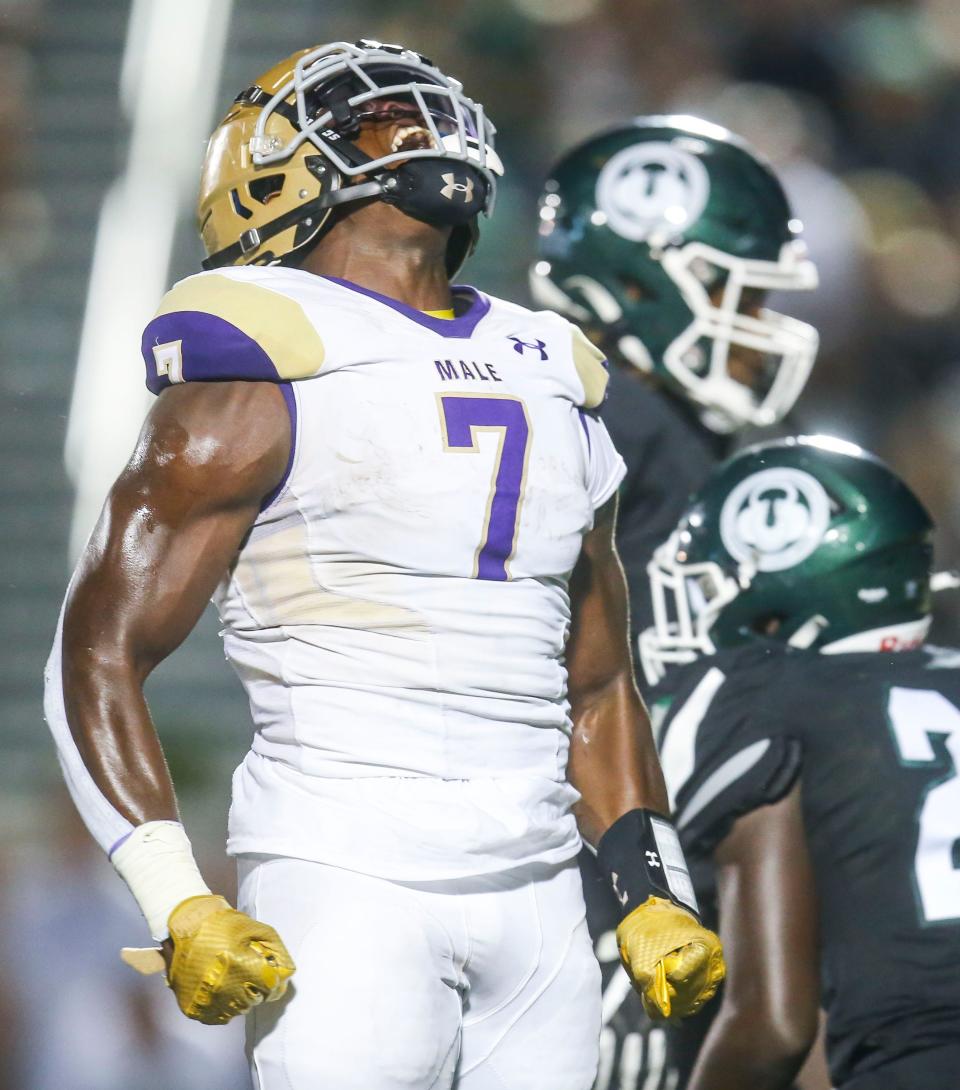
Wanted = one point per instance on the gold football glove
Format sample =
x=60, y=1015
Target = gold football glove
x=223, y=961
x=675, y=963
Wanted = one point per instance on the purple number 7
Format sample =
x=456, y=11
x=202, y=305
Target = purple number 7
x=462, y=416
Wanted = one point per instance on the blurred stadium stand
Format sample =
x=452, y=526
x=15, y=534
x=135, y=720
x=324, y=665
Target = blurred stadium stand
x=857, y=102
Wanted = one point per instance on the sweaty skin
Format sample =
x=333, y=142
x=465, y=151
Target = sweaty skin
x=176, y=519
x=378, y=246
x=767, y=1020
x=613, y=761
x=171, y=526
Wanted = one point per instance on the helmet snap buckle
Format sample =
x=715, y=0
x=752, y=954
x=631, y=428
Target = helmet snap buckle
x=249, y=240
x=265, y=145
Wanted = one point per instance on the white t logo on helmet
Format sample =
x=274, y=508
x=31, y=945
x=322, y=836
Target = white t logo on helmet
x=652, y=188
x=775, y=518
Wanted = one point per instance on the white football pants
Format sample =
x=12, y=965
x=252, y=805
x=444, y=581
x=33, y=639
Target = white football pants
x=484, y=983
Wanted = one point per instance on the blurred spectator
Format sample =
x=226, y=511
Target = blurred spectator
x=24, y=218
x=81, y=1019
x=924, y=443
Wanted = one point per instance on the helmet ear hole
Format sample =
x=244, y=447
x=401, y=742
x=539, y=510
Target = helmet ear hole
x=265, y=189
x=636, y=291
x=238, y=206
x=767, y=624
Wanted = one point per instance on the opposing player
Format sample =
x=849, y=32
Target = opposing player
x=811, y=749
x=661, y=238
x=403, y=503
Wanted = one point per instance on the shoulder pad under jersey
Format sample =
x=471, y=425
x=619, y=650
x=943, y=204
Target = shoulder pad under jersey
x=592, y=369
x=217, y=327
x=724, y=749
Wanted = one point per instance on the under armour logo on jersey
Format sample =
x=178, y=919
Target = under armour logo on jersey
x=653, y=860
x=535, y=346
x=453, y=186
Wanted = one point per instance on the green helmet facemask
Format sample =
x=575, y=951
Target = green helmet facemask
x=809, y=541
x=651, y=233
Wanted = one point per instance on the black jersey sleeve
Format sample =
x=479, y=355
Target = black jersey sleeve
x=722, y=745
x=668, y=455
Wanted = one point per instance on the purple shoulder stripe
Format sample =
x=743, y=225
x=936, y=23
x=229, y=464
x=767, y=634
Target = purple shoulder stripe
x=211, y=350
x=290, y=400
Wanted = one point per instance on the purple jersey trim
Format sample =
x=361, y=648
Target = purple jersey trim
x=123, y=839
x=586, y=430
x=461, y=327
x=290, y=399
x=212, y=349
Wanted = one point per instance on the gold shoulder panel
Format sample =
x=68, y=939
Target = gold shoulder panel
x=276, y=322
x=589, y=362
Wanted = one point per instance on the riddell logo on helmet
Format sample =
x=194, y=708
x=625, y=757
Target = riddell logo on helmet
x=453, y=186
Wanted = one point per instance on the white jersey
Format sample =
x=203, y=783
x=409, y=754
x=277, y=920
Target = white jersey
x=399, y=610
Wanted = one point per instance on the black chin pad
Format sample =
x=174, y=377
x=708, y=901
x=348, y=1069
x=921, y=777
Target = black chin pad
x=442, y=192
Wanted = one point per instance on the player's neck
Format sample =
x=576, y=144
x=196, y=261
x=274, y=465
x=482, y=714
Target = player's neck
x=380, y=248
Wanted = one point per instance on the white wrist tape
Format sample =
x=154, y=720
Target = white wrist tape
x=156, y=861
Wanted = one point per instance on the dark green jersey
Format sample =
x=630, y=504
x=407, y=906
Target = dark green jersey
x=875, y=741
x=669, y=454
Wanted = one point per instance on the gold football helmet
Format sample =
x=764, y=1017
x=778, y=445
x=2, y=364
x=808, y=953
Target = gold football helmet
x=288, y=153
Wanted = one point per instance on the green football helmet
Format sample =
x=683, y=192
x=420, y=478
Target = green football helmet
x=650, y=234
x=809, y=541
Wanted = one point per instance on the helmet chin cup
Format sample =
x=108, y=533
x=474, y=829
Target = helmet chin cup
x=441, y=192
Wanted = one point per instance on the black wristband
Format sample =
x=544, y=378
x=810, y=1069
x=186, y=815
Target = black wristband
x=640, y=855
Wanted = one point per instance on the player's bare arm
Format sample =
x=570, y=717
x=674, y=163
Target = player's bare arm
x=768, y=1017
x=208, y=455
x=613, y=761
x=174, y=520
x=396, y=616
x=675, y=963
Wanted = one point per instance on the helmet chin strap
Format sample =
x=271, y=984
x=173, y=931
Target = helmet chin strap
x=443, y=192
x=256, y=236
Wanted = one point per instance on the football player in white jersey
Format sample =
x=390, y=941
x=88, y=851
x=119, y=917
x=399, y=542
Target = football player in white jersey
x=402, y=502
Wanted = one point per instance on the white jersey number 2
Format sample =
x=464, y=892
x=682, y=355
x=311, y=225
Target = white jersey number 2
x=915, y=716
